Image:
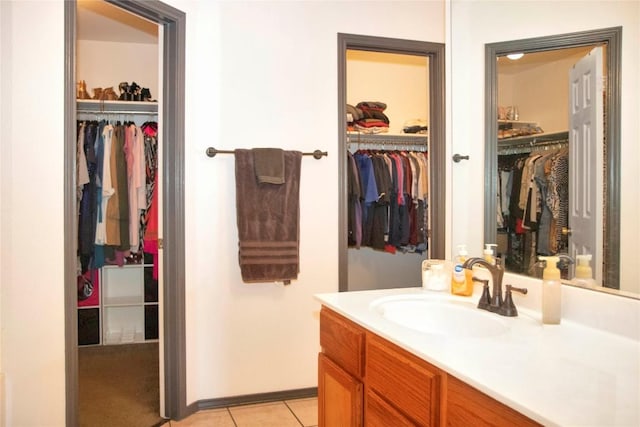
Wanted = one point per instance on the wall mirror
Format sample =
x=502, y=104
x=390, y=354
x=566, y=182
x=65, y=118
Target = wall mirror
x=408, y=77
x=523, y=123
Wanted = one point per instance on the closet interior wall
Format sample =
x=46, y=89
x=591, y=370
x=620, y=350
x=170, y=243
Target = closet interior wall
x=401, y=82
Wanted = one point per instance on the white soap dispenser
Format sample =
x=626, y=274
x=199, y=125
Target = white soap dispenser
x=551, y=291
x=584, y=275
x=488, y=253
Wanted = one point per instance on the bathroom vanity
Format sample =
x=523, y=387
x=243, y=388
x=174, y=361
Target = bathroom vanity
x=411, y=357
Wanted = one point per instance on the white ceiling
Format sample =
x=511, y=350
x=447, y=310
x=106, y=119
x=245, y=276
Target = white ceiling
x=99, y=20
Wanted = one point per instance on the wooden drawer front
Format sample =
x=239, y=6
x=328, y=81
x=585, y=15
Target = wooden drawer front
x=407, y=382
x=339, y=396
x=343, y=341
x=378, y=413
x=467, y=406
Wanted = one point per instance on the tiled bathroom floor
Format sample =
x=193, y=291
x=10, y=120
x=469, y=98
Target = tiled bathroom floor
x=288, y=413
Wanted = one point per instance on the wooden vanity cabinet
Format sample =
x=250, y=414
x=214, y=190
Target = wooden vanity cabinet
x=340, y=371
x=365, y=380
x=467, y=406
x=409, y=384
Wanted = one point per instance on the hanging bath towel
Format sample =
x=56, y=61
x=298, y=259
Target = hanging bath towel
x=268, y=219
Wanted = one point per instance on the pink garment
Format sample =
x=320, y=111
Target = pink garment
x=150, y=243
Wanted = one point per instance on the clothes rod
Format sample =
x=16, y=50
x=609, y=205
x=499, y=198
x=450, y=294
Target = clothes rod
x=317, y=154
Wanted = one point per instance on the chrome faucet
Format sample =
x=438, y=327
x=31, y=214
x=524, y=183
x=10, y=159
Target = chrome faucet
x=494, y=301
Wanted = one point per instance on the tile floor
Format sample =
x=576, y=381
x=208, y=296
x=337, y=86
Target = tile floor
x=287, y=413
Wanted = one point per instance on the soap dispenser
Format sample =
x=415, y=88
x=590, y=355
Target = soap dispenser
x=488, y=253
x=551, y=291
x=461, y=278
x=584, y=275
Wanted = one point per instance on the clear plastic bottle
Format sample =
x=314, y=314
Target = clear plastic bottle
x=551, y=291
x=461, y=278
x=584, y=275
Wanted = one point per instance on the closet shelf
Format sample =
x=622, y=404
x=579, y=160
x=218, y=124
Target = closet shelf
x=118, y=107
x=533, y=139
x=388, y=138
x=522, y=122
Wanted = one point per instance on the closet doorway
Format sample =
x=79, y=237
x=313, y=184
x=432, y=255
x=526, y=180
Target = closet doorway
x=401, y=83
x=171, y=354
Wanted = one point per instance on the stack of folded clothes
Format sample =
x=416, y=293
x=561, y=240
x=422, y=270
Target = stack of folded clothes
x=415, y=126
x=368, y=117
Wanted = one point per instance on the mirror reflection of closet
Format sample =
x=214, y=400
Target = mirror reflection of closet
x=533, y=124
x=397, y=86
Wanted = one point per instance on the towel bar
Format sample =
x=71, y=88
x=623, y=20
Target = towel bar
x=317, y=154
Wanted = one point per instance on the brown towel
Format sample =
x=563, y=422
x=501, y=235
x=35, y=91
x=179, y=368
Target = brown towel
x=268, y=164
x=268, y=220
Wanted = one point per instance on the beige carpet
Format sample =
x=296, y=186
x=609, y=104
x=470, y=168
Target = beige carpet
x=118, y=386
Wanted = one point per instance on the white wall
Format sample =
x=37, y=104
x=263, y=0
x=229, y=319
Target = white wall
x=400, y=81
x=475, y=23
x=106, y=64
x=31, y=239
x=265, y=74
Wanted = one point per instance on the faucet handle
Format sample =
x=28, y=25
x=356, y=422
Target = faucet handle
x=508, y=308
x=513, y=288
x=485, y=299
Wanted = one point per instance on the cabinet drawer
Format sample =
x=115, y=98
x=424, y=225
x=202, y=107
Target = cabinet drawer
x=468, y=406
x=378, y=413
x=404, y=380
x=342, y=341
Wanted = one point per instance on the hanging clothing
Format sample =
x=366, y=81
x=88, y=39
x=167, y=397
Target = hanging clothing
x=393, y=205
x=113, y=197
x=533, y=201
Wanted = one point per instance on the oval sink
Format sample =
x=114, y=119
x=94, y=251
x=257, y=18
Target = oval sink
x=440, y=316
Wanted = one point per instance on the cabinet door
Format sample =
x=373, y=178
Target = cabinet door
x=339, y=396
x=410, y=384
x=467, y=406
x=379, y=413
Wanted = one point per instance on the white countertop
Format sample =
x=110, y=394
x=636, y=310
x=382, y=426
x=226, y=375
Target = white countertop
x=565, y=375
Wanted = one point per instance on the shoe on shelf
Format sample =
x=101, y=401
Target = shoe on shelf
x=82, y=90
x=146, y=94
x=108, y=94
x=97, y=93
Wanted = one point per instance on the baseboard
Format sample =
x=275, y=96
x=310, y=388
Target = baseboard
x=248, y=399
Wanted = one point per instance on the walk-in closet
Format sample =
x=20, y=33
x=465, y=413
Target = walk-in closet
x=533, y=199
x=117, y=172
x=389, y=190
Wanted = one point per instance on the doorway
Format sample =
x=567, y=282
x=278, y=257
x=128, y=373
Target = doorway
x=172, y=324
x=433, y=68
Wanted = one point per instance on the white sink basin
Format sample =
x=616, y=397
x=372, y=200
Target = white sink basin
x=440, y=316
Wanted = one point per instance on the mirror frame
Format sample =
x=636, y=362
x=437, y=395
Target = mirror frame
x=612, y=37
x=436, y=148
